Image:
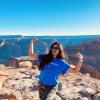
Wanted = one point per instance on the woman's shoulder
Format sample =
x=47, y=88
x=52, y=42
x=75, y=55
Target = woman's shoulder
x=63, y=61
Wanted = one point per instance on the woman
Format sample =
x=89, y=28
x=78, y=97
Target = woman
x=51, y=66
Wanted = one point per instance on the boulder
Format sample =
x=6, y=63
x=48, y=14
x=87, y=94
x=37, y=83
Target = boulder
x=25, y=64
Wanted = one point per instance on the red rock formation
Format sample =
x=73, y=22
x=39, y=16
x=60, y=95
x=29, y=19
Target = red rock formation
x=91, y=53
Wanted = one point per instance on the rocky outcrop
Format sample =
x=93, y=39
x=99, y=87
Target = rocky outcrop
x=91, y=53
x=22, y=84
x=22, y=61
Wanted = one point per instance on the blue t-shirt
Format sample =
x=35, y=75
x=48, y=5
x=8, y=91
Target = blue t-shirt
x=49, y=75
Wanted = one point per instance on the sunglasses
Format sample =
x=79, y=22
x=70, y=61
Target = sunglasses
x=55, y=48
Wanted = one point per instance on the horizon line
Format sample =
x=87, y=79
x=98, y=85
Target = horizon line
x=49, y=35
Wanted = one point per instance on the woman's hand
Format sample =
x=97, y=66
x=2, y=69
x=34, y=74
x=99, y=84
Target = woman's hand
x=72, y=66
x=34, y=39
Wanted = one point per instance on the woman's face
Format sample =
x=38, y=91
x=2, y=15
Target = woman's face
x=55, y=50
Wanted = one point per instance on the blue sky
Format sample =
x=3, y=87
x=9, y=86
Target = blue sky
x=50, y=17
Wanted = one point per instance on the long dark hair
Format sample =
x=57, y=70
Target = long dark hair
x=47, y=58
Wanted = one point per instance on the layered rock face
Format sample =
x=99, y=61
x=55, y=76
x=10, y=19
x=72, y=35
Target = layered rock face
x=22, y=84
x=91, y=53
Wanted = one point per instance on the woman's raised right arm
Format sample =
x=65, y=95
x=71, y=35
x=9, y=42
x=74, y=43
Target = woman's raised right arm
x=31, y=50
